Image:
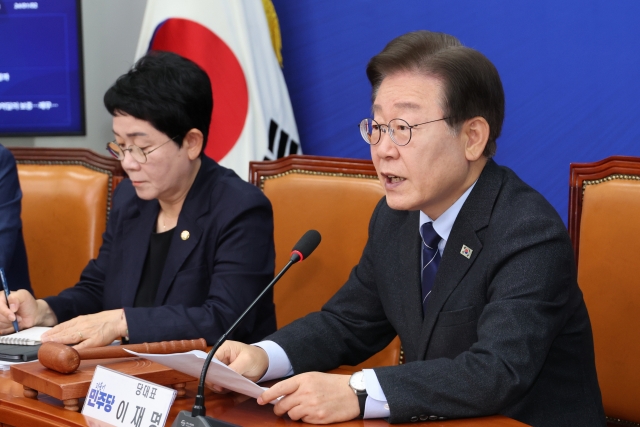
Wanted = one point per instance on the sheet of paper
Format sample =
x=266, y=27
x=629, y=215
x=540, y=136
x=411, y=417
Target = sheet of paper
x=6, y=365
x=191, y=363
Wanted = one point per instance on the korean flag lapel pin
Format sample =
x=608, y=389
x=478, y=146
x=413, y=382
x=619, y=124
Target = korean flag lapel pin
x=466, y=251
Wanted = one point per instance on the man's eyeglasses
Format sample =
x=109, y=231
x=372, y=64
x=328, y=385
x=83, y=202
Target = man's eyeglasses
x=136, y=152
x=399, y=130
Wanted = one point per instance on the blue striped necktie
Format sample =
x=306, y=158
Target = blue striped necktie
x=430, y=260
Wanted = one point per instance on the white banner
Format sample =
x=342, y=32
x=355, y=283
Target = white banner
x=232, y=41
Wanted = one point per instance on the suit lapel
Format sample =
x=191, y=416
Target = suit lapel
x=407, y=277
x=135, y=245
x=185, y=238
x=187, y=233
x=473, y=217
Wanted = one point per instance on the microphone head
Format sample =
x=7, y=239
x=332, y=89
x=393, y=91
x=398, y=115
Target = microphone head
x=306, y=245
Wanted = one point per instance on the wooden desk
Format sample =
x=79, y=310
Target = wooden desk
x=19, y=411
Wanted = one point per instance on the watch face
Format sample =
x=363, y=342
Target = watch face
x=356, y=381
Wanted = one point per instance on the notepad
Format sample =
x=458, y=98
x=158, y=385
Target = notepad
x=29, y=336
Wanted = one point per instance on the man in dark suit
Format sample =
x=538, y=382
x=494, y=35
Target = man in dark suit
x=470, y=266
x=13, y=255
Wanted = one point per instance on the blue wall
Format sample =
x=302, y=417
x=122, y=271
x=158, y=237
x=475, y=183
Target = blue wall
x=570, y=69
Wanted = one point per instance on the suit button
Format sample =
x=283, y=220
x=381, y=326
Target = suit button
x=442, y=418
x=414, y=419
x=433, y=417
x=423, y=418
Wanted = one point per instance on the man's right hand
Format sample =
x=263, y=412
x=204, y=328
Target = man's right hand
x=22, y=306
x=26, y=309
x=248, y=360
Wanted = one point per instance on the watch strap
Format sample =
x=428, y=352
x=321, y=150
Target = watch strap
x=362, y=400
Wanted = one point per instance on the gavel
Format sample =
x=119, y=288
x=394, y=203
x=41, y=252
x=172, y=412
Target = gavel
x=65, y=359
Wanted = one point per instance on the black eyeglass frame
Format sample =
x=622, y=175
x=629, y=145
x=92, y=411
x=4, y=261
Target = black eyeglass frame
x=363, y=133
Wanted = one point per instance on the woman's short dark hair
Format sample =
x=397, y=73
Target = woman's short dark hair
x=168, y=91
x=472, y=85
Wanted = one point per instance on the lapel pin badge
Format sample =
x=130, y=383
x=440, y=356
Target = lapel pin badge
x=185, y=235
x=466, y=251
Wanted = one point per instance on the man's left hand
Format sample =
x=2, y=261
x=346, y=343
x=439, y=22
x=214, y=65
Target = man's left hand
x=315, y=398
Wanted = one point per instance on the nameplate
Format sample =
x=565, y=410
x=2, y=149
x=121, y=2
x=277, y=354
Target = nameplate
x=119, y=399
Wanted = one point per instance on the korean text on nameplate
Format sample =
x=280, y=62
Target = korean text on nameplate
x=119, y=399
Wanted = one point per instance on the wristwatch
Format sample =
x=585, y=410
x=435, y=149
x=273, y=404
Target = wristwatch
x=356, y=382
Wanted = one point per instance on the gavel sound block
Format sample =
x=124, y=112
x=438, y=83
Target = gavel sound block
x=64, y=359
x=36, y=378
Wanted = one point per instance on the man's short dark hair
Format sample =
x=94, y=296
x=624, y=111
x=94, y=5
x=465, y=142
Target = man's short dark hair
x=168, y=91
x=472, y=85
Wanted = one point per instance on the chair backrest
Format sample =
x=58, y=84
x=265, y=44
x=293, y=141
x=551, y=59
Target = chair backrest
x=66, y=200
x=604, y=224
x=336, y=197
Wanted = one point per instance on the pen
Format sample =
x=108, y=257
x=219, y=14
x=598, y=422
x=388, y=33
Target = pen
x=6, y=294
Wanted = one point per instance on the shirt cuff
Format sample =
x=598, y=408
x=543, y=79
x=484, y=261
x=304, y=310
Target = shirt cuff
x=279, y=364
x=376, y=405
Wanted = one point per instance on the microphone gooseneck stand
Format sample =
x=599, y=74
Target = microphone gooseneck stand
x=198, y=418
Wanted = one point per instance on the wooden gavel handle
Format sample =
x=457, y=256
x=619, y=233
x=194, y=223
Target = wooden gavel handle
x=164, y=347
x=65, y=359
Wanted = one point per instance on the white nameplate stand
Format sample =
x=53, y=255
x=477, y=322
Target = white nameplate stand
x=119, y=399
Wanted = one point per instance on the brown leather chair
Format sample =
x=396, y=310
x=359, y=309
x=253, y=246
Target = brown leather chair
x=336, y=197
x=604, y=224
x=67, y=195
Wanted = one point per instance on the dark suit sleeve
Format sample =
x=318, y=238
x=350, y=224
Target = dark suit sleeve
x=10, y=196
x=12, y=251
x=312, y=343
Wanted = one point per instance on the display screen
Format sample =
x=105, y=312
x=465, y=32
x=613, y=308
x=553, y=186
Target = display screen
x=41, y=80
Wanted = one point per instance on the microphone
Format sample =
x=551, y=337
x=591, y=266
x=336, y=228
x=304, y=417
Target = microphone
x=307, y=244
x=197, y=418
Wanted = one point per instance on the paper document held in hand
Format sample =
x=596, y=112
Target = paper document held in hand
x=220, y=374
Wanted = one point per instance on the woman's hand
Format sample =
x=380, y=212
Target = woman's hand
x=24, y=308
x=93, y=330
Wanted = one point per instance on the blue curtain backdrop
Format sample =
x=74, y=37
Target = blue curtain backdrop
x=570, y=70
